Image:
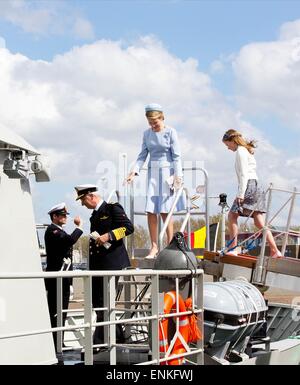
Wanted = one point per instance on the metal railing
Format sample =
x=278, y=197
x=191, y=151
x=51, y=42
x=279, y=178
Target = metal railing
x=110, y=308
x=111, y=195
x=187, y=212
x=170, y=214
x=261, y=268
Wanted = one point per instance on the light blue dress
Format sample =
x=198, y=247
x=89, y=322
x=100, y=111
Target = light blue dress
x=165, y=160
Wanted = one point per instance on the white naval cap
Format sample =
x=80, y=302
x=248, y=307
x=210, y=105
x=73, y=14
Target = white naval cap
x=153, y=107
x=58, y=209
x=84, y=189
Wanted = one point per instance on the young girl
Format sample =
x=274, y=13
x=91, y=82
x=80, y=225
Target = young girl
x=249, y=199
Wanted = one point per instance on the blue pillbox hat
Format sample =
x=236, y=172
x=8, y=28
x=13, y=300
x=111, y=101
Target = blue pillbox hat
x=153, y=107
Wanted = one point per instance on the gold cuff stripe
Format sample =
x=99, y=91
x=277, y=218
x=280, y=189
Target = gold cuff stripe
x=119, y=233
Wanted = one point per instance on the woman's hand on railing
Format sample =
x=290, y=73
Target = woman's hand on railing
x=129, y=178
x=178, y=183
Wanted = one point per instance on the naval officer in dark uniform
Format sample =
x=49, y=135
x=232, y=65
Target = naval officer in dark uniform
x=107, y=250
x=59, y=248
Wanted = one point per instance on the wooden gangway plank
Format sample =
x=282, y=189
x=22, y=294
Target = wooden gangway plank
x=243, y=260
x=285, y=266
x=212, y=262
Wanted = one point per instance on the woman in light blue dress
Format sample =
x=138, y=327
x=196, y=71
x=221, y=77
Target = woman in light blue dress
x=164, y=172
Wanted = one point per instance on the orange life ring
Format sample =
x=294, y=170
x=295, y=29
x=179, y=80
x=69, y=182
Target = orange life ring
x=178, y=348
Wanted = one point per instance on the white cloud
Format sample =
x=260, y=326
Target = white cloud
x=290, y=30
x=268, y=76
x=46, y=17
x=87, y=105
x=217, y=66
x=2, y=42
x=24, y=15
x=83, y=29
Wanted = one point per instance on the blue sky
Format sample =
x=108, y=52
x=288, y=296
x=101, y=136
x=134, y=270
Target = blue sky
x=204, y=30
x=200, y=29
x=230, y=59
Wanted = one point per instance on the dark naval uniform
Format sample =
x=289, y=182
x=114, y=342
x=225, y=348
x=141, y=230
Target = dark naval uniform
x=59, y=245
x=109, y=218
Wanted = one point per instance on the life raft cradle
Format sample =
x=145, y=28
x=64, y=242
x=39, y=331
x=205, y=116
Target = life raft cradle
x=186, y=329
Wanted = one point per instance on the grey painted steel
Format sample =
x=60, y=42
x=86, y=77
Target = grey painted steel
x=159, y=229
x=106, y=296
x=285, y=352
x=112, y=318
x=112, y=309
x=23, y=303
x=59, y=312
x=124, y=175
x=155, y=321
x=288, y=224
x=223, y=228
x=127, y=294
x=206, y=209
x=284, y=266
x=200, y=305
x=205, y=213
x=131, y=206
x=94, y=273
x=124, y=188
x=194, y=212
x=236, y=310
x=283, y=281
x=88, y=309
x=279, y=211
x=282, y=322
x=185, y=221
x=287, y=277
x=9, y=140
x=260, y=270
x=169, y=216
x=189, y=243
x=233, y=297
x=108, y=200
x=206, y=200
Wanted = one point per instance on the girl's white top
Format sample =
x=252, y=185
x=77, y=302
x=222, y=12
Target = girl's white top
x=245, y=167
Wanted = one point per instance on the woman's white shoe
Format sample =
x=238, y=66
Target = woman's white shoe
x=150, y=256
x=277, y=255
x=232, y=253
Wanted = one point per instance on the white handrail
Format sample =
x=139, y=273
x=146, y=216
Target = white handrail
x=110, y=308
x=260, y=272
x=94, y=273
x=206, y=212
x=111, y=194
x=169, y=216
